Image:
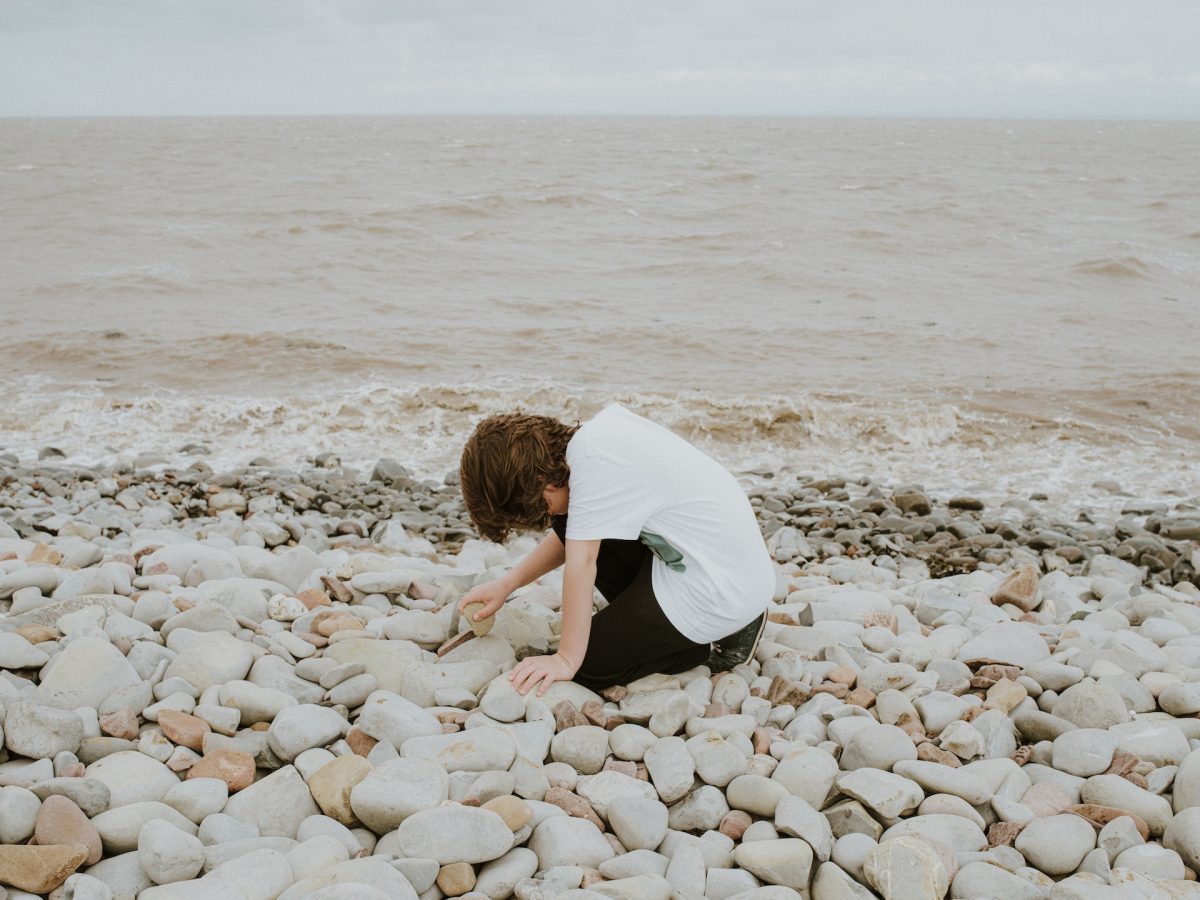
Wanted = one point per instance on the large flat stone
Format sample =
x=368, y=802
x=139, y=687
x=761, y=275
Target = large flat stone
x=388, y=661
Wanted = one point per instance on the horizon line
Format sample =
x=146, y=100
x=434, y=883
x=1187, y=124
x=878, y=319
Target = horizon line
x=1082, y=118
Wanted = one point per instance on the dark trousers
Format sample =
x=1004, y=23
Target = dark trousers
x=632, y=636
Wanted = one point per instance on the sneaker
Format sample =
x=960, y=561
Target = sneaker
x=738, y=647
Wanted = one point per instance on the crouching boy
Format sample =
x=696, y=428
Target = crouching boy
x=662, y=530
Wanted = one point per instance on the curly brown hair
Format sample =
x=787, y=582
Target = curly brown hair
x=506, y=464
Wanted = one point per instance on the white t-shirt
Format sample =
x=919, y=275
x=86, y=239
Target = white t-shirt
x=634, y=480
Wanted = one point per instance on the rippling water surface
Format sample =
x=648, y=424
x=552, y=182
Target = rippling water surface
x=988, y=306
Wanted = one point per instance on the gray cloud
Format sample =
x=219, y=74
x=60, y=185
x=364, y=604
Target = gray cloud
x=767, y=57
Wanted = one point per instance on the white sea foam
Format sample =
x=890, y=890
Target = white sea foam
x=945, y=449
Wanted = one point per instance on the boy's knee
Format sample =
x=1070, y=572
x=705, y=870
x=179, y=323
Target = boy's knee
x=594, y=678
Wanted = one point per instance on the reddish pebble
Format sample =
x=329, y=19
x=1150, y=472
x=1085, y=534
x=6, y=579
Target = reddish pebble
x=183, y=729
x=60, y=821
x=120, y=724
x=234, y=767
x=734, y=824
x=312, y=598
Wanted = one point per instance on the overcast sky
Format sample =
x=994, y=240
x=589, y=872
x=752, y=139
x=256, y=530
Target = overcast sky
x=1071, y=58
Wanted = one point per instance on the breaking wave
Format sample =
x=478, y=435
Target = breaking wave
x=949, y=447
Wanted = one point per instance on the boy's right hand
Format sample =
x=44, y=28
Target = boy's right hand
x=492, y=595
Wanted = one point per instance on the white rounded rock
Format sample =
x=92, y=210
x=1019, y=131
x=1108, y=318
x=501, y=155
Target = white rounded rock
x=418, y=626
x=1152, y=860
x=41, y=732
x=1014, y=643
x=498, y=878
x=303, y=727
x=421, y=873
x=453, y=834
x=1113, y=790
x=120, y=828
x=638, y=823
x=132, y=777
x=86, y=887
x=670, y=767
x=950, y=805
x=942, y=779
x=209, y=658
x=500, y=701
x=1117, y=836
x=1181, y=699
x=389, y=717
x=583, y=747
x=397, y=789
x=794, y=817
x=311, y=761
x=603, y=788
x=283, y=608
x=567, y=841
x=887, y=794
x=786, y=861
x=167, y=854
x=373, y=872
x=17, y=653
x=956, y=832
x=254, y=703
x=198, y=798
x=1183, y=836
x=1090, y=704
x=276, y=804
x=983, y=879
x=220, y=828
x=1056, y=845
x=905, y=867
x=1185, y=792
x=295, y=645
x=685, y=874
x=962, y=739
x=1084, y=751
x=83, y=674
x=717, y=761
x=877, y=747
x=1156, y=742
x=850, y=852
x=485, y=749
x=259, y=873
x=630, y=741
x=808, y=773
x=701, y=810
x=319, y=831
x=18, y=814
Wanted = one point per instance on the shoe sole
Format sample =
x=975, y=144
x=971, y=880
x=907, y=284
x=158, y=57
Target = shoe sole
x=762, y=626
x=726, y=665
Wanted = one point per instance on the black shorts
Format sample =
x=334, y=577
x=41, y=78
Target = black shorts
x=632, y=636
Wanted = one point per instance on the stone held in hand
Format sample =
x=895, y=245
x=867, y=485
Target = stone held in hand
x=484, y=625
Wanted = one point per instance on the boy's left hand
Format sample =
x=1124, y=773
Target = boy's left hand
x=526, y=674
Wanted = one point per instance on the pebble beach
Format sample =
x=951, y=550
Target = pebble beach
x=253, y=683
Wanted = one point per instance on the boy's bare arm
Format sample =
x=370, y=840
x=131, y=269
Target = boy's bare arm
x=579, y=583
